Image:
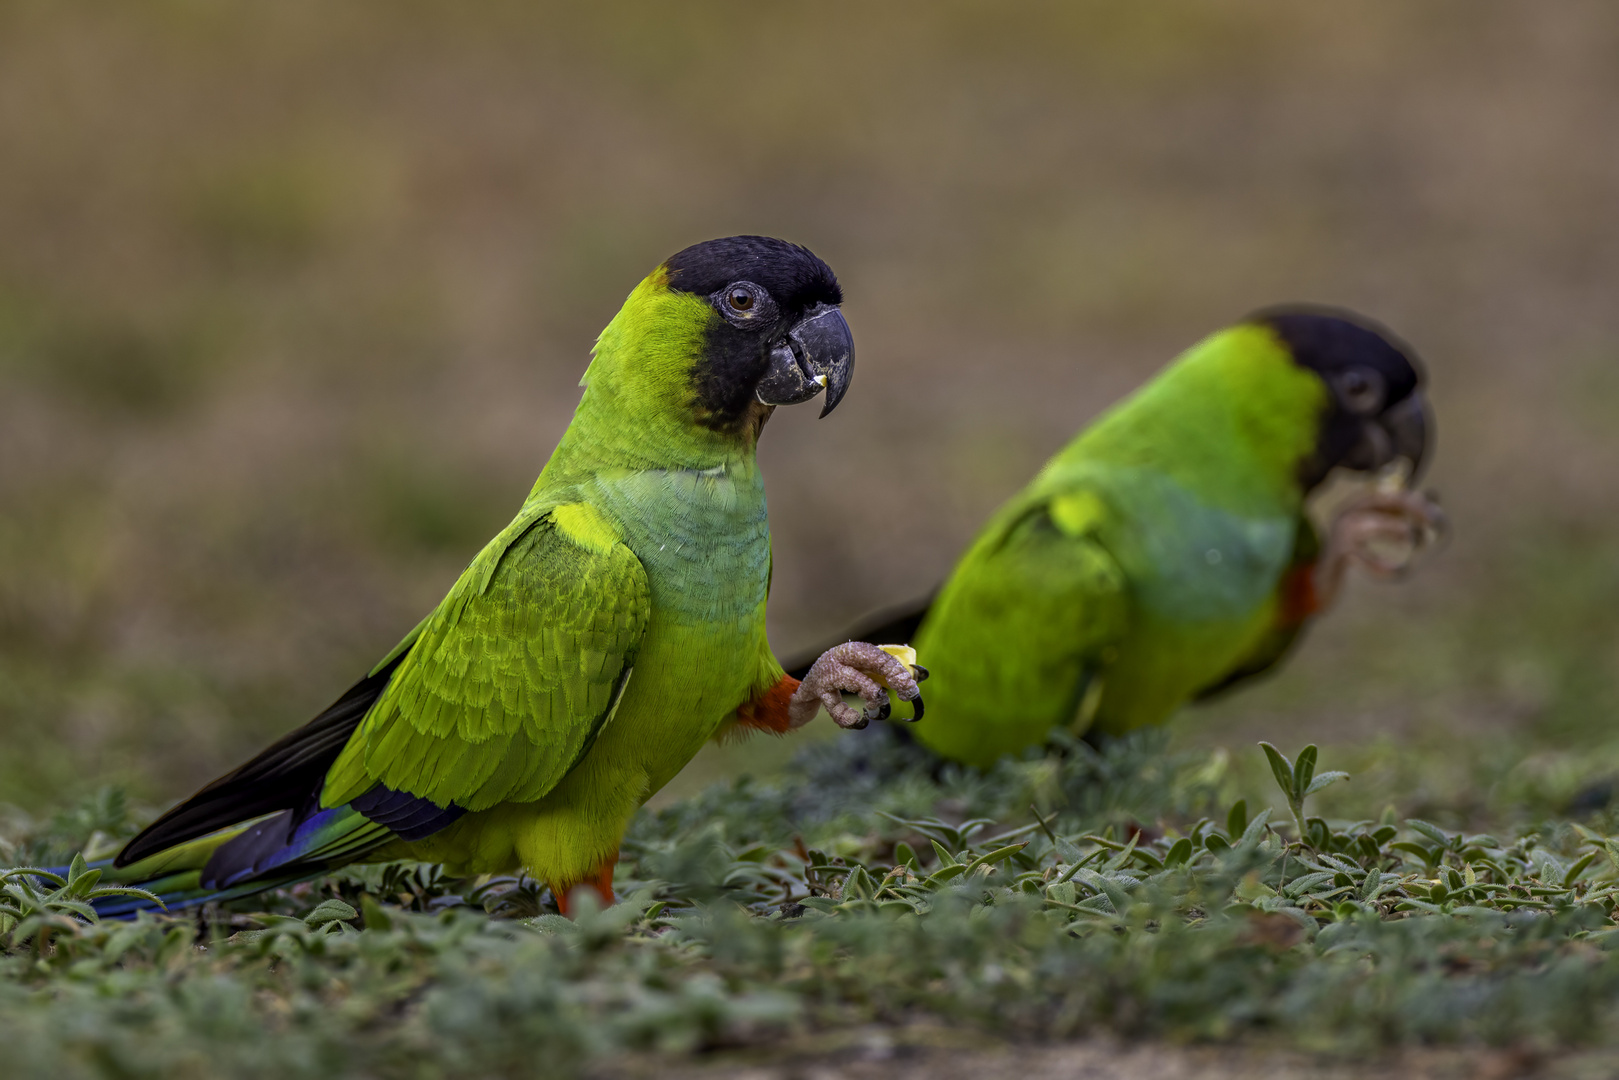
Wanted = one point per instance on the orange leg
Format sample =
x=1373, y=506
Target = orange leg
x=1301, y=595
x=602, y=882
x=768, y=711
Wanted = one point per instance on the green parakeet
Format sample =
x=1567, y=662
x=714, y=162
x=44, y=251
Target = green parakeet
x=593, y=646
x=1165, y=553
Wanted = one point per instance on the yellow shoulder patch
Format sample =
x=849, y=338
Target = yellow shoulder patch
x=587, y=527
x=1079, y=513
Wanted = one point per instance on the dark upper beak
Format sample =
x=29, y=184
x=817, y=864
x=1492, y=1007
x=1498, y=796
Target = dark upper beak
x=1410, y=427
x=817, y=352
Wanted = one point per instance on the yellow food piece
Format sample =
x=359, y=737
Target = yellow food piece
x=904, y=654
x=1395, y=476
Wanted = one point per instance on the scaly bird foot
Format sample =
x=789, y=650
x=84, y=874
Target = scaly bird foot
x=1383, y=531
x=858, y=668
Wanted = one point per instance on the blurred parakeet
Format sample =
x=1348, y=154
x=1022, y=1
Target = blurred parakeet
x=1165, y=554
x=593, y=646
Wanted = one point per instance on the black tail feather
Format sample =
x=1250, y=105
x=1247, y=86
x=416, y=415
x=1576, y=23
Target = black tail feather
x=285, y=776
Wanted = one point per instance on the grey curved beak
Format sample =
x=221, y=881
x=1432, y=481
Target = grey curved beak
x=817, y=353
x=1410, y=430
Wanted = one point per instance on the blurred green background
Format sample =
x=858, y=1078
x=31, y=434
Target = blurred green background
x=294, y=299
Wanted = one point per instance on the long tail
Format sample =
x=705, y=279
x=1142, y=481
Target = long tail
x=262, y=826
x=265, y=853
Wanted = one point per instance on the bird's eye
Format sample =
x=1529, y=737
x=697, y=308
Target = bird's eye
x=744, y=305
x=1362, y=390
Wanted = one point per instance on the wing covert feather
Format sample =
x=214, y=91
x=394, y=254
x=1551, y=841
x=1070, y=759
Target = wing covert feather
x=1016, y=636
x=514, y=674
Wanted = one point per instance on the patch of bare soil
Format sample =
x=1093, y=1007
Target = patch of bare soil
x=877, y=1055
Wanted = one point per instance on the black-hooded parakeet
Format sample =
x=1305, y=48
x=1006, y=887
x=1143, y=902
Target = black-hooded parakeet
x=1166, y=553
x=592, y=647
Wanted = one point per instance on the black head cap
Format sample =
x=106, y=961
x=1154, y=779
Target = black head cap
x=1377, y=411
x=791, y=274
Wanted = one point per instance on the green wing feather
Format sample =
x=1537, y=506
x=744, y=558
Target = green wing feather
x=1018, y=635
x=507, y=683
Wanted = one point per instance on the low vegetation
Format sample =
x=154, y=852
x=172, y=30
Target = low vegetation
x=874, y=887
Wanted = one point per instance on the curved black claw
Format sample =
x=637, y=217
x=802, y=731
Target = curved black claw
x=916, y=704
x=919, y=673
x=879, y=713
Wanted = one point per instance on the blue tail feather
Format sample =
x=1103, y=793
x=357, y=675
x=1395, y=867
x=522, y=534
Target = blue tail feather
x=265, y=854
x=269, y=852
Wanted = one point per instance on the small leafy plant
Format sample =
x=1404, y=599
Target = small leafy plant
x=31, y=911
x=1299, y=780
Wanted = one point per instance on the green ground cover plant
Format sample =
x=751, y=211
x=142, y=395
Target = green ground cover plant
x=1075, y=892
